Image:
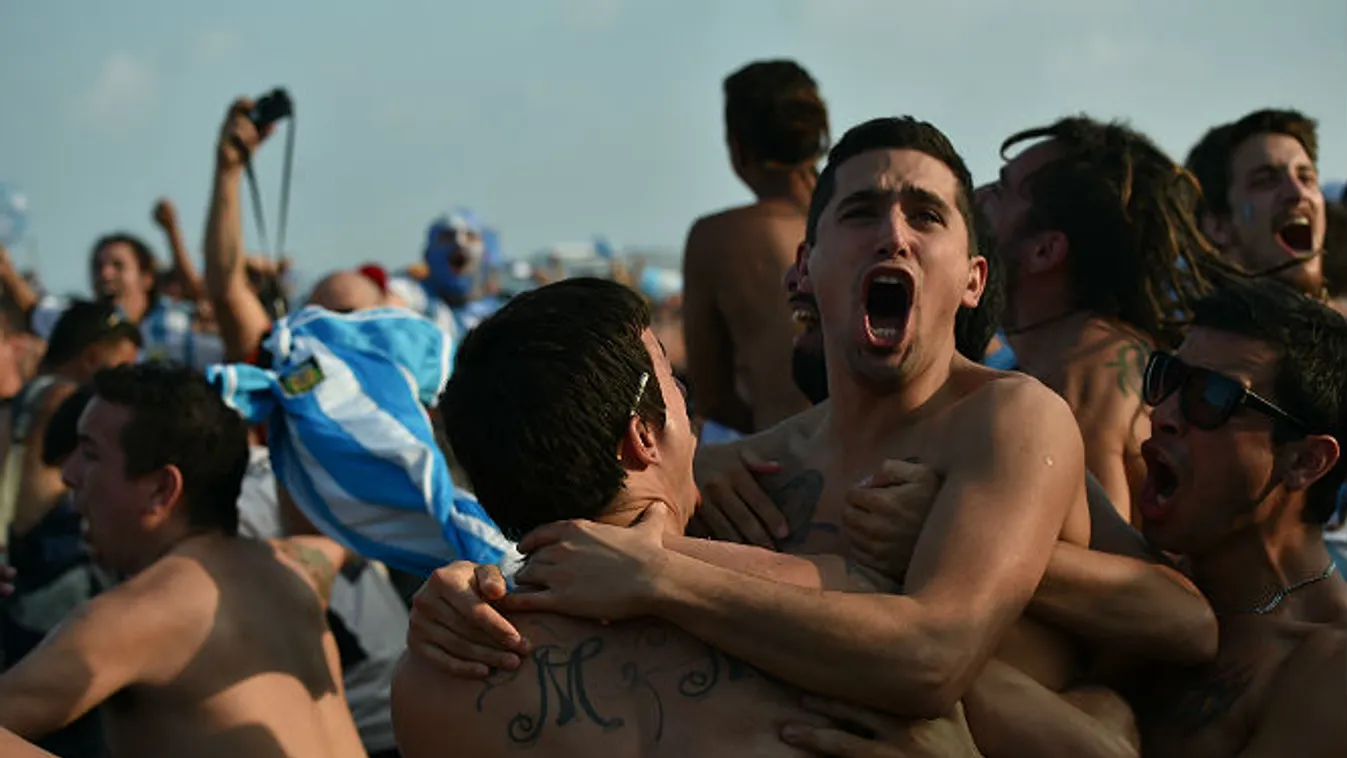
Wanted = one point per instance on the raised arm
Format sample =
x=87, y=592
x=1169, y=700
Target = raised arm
x=242, y=319
x=980, y=556
x=15, y=286
x=166, y=216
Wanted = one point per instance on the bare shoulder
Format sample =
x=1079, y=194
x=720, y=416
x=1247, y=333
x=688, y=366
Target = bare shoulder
x=1008, y=402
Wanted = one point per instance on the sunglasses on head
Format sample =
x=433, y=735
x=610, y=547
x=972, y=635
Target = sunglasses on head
x=1207, y=398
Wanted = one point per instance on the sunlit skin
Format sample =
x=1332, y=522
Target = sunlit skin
x=1273, y=181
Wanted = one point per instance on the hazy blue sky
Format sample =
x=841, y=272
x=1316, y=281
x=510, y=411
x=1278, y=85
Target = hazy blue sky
x=559, y=120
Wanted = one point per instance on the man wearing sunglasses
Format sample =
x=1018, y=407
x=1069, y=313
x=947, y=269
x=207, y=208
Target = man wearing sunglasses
x=1244, y=464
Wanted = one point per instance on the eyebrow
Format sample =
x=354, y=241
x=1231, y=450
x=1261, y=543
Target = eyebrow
x=907, y=193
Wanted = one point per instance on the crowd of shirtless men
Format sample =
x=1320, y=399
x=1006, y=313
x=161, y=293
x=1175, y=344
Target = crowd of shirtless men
x=1113, y=545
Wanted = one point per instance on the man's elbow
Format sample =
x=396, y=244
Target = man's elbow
x=932, y=685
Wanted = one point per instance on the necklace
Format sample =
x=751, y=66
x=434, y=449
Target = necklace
x=1040, y=324
x=1280, y=595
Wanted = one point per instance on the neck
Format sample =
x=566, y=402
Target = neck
x=861, y=417
x=1253, y=565
x=171, y=540
x=1038, y=344
x=135, y=305
x=639, y=493
x=793, y=186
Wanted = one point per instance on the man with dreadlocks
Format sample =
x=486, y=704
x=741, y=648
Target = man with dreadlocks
x=1262, y=204
x=1095, y=227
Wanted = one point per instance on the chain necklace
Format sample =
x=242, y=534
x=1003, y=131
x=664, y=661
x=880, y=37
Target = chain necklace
x=1281, y=594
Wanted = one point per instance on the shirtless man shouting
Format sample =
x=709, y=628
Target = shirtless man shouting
x=215, y=645
x=892, y=258
x=1245, y=462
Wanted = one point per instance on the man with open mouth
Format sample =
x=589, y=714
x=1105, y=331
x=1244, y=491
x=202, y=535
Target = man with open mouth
x=891, y=258
x=1244, y=465
x=1263, y=206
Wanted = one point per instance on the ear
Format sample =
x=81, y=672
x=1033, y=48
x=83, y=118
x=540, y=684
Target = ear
x=165, y=494
x=803, y=253
x=1049, y=250
x=1311, y=459
x=977, y=282
x=736, y=152
x=639, y=448
x=1219, y=229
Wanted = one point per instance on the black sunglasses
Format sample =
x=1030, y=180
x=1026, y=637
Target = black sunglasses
x=1207, y=398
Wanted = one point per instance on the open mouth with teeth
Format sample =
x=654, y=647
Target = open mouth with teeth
x=1297, y=236
x=888, y=304
x=1162, y=482
x=804, y=312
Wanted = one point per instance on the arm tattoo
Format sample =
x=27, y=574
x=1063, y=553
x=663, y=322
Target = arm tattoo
x=798, y=499
x=1129, y=364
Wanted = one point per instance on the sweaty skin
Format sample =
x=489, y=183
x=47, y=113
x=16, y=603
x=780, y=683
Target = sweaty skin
x=737, y=327
x=217, y=649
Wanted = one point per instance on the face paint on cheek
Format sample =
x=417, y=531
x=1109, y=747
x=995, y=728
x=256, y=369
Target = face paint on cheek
x=1246, y=212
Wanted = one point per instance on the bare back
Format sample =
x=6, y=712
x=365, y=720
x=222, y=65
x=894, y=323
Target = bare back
x=251, y=670
x=736, y=319
x=640, y=688
x=1098, y=370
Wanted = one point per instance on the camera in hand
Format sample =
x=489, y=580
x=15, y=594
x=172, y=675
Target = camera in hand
x=270, y=108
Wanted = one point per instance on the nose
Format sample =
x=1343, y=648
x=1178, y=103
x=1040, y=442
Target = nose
x=791, y=280
x=893, y=235
x=1167, y=417
x=1296, y=191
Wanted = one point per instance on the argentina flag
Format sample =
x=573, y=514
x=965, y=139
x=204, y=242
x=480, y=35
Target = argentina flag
x=345, y=405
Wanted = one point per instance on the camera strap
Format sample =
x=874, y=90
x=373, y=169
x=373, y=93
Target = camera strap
x=256, y=194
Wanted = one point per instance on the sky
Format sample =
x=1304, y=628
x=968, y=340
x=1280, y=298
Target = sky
x=560, y=120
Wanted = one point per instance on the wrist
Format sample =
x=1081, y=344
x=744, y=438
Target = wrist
x=667, y=588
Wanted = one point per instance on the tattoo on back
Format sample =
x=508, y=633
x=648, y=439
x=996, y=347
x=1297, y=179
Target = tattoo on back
x=798, y=499
x=1129, y=364
x=562, y=688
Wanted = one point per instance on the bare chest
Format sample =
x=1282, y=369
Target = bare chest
x=1211, y=710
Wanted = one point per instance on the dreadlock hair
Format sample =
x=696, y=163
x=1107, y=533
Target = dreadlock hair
x=1136, y=251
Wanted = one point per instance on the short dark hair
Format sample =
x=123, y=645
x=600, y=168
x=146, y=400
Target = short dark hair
x=974, y=327
x=144, y=256
x=774, y=112
x=179, y=419
x=540, y=398
x=894, y=133
x=1209, y=163
x=62, y=434
x=85, y=324
x=1212, y=159
x=1136, y=251
x=1313, y=368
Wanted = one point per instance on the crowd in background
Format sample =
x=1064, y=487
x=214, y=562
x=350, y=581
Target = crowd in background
x=1130, y=367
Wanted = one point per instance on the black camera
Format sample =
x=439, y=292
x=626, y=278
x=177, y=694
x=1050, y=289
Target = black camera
x=270, y=108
